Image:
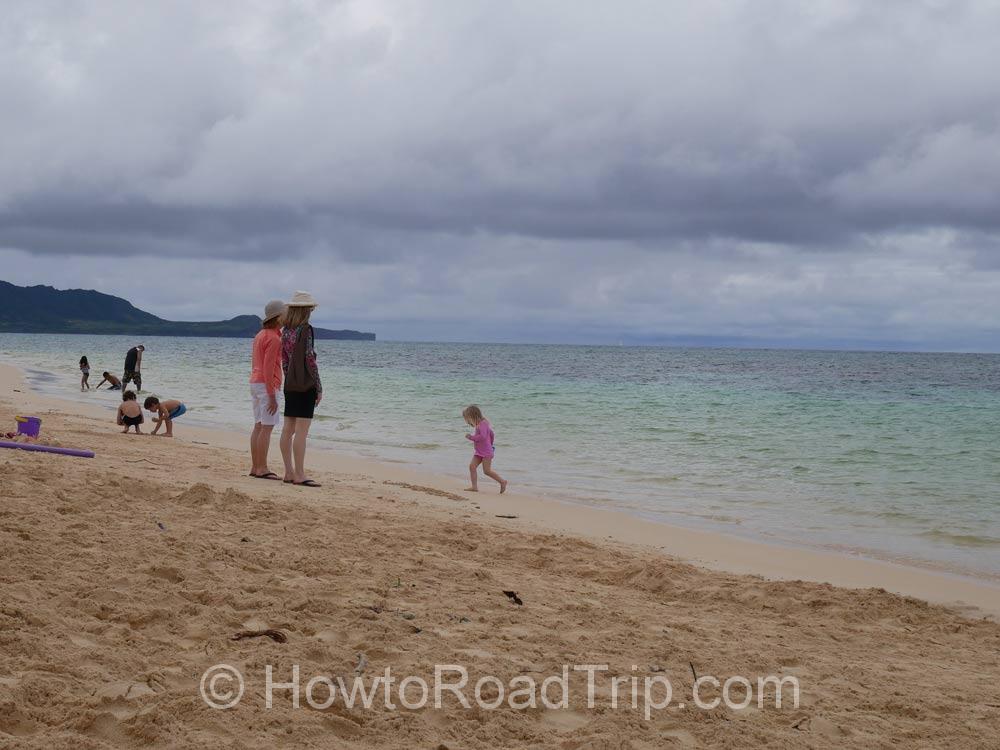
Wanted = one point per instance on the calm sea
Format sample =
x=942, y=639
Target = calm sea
x=891, y=455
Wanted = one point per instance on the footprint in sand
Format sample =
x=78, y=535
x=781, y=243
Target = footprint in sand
x=166, y=573
x=17, y=724
x=123, y=690
x=476, y=653
x=79, y=640
x=564, y=720
x=195, y=636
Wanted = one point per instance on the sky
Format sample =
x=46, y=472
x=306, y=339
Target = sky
x=758, y=172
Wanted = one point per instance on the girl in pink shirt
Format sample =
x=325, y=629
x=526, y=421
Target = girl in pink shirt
x=482, y=440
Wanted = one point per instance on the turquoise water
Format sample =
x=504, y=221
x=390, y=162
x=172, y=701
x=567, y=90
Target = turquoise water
x=891, y=455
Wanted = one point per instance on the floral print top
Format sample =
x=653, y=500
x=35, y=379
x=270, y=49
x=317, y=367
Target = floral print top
x=289, y=337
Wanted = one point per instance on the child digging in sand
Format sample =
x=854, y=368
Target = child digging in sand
x=166, y=412
x=482, y=440
x=129, y=413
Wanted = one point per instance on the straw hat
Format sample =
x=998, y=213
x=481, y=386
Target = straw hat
x=273, y=309
x=302, y=299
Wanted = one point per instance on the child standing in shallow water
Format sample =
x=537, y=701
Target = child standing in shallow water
x=482, y=440
x=84, y=374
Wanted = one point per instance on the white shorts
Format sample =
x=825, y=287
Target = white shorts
x=258, y=392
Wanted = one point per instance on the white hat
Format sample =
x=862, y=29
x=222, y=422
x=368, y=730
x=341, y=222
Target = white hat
x=273, y=309
x=302, y=299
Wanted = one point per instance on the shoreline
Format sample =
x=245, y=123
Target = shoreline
x=323, y=446
x=710, y=550
x=802, y=493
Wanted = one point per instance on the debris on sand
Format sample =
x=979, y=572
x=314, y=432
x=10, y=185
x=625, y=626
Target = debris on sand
x=512, y=595
x=275, y=635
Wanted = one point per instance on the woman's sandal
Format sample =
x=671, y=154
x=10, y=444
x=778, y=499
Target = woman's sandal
x=270, y=475
x=307, y=483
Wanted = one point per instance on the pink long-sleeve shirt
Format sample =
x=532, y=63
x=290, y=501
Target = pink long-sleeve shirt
x=266, y=360
x=482, y=438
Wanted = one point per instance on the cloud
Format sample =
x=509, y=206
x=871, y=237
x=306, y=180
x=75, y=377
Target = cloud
x=750, y=158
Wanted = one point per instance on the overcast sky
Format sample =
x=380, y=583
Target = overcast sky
x=824, y=173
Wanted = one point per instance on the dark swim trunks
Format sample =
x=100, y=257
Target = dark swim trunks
x=133, y=377
x=132, y=421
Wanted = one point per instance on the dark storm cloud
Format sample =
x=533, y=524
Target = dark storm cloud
x=65, y=225
x=779, y=150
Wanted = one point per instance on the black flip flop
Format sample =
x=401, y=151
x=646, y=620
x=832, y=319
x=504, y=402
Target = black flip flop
x=307, y=483
x=270, y=475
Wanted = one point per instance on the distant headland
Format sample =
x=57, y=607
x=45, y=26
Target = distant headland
x=43, y=309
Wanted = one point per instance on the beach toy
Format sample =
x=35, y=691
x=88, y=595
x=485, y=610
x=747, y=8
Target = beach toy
x=48, y=449
x=29, y=426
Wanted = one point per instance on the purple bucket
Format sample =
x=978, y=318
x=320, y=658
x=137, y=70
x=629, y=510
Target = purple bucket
x=29, y=426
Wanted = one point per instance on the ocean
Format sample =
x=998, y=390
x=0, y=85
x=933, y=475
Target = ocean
x=894, y=456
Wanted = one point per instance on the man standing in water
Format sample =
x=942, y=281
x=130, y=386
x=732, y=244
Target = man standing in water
x=133, y=362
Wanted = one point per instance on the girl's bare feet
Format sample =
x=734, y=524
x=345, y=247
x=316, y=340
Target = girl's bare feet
x=503, y=486
x=472, y=489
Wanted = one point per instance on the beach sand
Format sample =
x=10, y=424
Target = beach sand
x=124, y=578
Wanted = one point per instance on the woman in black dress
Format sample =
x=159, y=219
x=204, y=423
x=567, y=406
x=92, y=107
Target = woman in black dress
x=303, y=389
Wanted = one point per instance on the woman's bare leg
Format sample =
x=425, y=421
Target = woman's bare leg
x=299, y=448
x=287, y=433
x=488, y=471
x=473, y=475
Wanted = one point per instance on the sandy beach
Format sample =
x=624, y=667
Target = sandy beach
x=126, y=576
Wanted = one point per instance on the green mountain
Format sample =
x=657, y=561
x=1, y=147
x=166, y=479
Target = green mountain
x=42, y=309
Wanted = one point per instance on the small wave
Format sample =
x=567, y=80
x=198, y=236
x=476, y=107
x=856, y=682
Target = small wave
x=662, y=480
x=41, y=376
x=961, y=540
x=898, y=515
x=367, y=443
x=715, y=517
